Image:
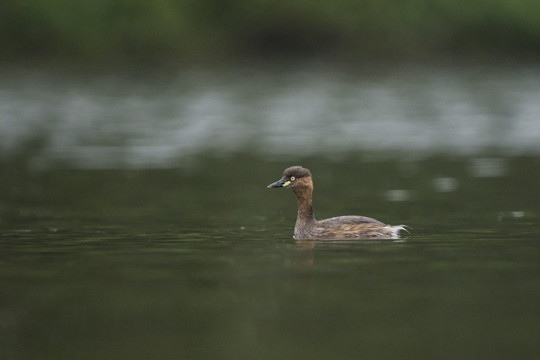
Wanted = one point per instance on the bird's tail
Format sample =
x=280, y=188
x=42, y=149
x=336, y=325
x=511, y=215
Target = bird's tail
x=397, y=228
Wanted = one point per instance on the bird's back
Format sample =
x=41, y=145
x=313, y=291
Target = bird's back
x=347, y=227
x=348, y=220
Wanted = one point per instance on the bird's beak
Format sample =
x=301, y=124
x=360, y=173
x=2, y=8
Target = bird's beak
x=279, y=183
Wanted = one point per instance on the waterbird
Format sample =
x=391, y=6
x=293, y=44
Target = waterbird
x=300, y=181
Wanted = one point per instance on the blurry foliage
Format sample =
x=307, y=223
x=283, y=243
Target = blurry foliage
x=103, y=29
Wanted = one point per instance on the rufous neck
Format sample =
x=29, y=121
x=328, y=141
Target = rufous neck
x=304, y=197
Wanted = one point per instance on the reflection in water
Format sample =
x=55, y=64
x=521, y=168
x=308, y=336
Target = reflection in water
x=104, y=121
x=305, y=252
x=306, y=248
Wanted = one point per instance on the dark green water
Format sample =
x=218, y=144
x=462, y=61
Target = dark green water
x=135, y=222
x=199, y=263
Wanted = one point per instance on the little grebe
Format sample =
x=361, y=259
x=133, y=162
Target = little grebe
x=299, y=180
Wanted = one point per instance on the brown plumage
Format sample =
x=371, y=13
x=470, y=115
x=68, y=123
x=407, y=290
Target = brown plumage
x=300, y=181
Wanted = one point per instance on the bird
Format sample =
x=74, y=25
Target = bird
x=300, y=181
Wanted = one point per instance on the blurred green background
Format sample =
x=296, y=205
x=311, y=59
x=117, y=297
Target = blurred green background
x=135, y=222
x=213, y=30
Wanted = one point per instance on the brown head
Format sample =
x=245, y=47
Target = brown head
x=296, y=178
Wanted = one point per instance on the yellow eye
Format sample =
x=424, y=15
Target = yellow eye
x=292, y=178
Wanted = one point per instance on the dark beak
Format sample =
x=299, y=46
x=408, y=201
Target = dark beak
x=277, y=184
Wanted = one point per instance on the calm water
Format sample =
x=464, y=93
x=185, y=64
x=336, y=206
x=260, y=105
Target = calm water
x=122, y=237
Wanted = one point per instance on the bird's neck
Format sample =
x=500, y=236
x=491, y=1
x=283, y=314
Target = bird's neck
x=304, y=197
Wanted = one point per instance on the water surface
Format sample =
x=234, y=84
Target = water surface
x=135, y=221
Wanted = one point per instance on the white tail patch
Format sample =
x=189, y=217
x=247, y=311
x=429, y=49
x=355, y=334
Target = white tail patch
x=397, y=228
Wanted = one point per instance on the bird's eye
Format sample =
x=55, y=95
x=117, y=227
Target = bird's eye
x=292, y=178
